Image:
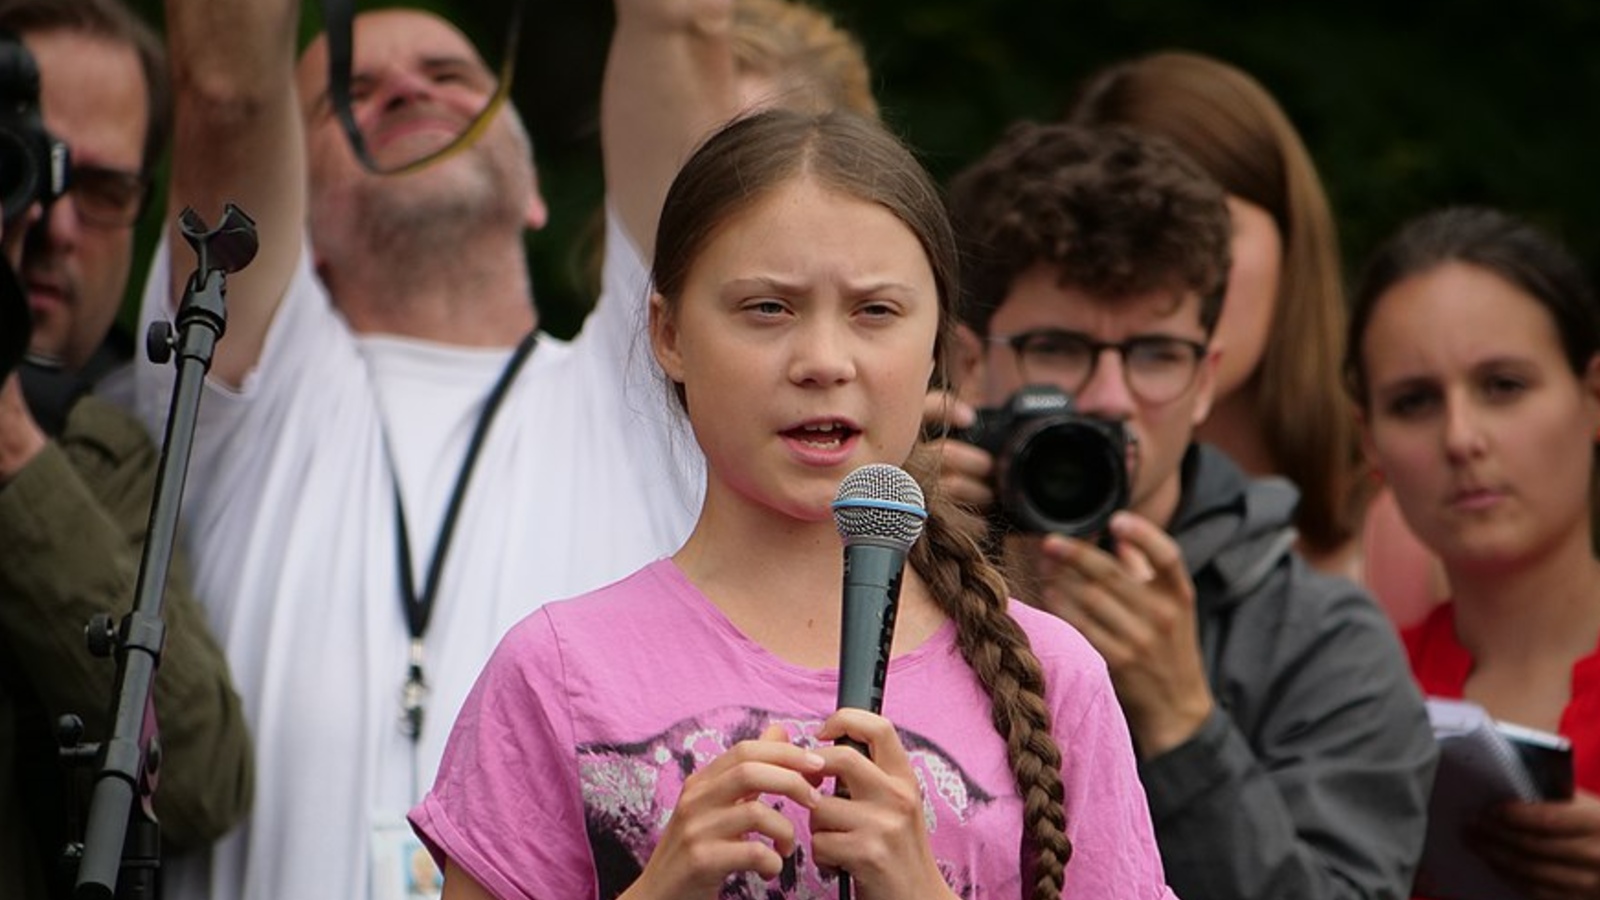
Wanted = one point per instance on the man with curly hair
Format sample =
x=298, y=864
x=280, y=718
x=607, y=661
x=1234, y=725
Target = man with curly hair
x=1283, y=747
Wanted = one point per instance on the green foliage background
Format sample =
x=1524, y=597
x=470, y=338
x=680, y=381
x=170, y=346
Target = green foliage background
x=1405, y=104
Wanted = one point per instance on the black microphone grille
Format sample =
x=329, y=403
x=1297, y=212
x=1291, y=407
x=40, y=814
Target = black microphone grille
x=879, y=502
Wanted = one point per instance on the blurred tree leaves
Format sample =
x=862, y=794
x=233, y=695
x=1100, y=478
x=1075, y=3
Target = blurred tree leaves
x=1405, y=104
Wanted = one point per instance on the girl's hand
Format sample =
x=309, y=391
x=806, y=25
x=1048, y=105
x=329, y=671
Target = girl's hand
x=711, y=833
x=1552, y=849
x=877, y=833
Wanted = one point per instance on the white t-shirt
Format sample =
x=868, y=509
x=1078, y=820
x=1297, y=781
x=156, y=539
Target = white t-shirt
x=586, y=474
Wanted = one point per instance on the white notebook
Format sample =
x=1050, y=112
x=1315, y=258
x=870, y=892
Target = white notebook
x=1482, y=763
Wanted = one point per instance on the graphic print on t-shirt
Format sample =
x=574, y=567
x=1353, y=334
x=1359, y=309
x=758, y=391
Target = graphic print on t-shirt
x=629, y=791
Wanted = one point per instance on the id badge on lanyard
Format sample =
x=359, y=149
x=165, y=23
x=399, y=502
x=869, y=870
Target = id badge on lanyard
x=402, y=867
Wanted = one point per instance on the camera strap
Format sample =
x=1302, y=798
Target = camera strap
x=339, y=18
x=16, y=322
x=50, y=392
x=418, y=608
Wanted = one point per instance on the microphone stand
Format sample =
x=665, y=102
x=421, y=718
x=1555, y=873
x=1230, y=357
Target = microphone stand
x=120, y=833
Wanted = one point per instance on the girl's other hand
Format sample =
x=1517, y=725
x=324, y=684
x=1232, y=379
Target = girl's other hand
x=720, y=815
x=876, y=833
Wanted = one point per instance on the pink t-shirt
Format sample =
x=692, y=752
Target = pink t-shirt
x=571, y=750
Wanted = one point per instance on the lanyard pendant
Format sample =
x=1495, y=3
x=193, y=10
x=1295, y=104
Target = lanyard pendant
x=413, y=695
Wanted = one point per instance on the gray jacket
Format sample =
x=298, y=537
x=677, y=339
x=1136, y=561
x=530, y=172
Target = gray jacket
x=1312, y=778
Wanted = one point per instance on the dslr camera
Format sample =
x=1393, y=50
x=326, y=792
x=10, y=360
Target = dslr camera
x=33, y=167
x=1056, y=470
x=33, y=163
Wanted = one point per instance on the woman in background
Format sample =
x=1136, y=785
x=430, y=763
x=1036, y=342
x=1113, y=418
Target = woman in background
x=1279, y=409
x=1474, y=354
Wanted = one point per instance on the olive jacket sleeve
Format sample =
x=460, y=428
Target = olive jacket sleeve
x=72, y=526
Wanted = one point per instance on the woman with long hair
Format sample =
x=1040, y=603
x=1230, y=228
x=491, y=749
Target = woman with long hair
x=1279, y=408
x=1474, y=353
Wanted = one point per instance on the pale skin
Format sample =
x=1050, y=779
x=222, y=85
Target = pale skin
x=807, y=308
x=244, y=103
x=92, y=95
x=1248, y=311
x=828, y=307
x=1486, y=435
x=1136, y=606
x=876, y=834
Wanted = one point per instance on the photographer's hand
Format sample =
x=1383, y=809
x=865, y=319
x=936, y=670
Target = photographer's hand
x=966, y=472
x=1137, y=609
x=21, y=438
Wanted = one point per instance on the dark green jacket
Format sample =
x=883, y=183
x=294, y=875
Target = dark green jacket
x=71, y=527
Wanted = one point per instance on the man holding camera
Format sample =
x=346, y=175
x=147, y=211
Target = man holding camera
x=1282, y=744
x=77, y=475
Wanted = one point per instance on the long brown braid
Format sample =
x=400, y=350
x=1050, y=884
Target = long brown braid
x=972, y=593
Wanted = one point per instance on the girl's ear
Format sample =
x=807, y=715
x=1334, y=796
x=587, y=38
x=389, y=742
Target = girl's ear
x=664, y=338
x=967, y=365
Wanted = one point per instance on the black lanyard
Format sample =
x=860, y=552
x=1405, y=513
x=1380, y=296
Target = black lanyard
x=419, y=607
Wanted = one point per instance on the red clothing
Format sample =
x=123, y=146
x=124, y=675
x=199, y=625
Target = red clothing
x=1441, y=666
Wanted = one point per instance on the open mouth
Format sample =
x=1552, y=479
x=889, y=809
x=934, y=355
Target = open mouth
x=425, y=133
x=413, y=126
x=821, y=435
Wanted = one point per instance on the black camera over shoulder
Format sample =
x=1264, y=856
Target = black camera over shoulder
x=1056, y=470
x=33, y=163
x=33, y=168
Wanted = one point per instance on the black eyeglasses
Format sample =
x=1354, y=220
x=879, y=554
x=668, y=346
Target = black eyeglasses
x=110, y=198
x=1157, y=368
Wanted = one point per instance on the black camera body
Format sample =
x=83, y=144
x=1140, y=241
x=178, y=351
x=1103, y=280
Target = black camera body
x=33, y=167
x=1055, y=469
x=33, y=164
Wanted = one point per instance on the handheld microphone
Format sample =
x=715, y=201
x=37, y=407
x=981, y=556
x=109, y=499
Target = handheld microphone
x=879, y=513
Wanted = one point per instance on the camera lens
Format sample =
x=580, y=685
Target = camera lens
x=18, y=174
x=1071, y=477
x=16, y=323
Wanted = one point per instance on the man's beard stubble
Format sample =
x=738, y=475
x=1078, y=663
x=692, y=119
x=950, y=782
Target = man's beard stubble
x=474, y=194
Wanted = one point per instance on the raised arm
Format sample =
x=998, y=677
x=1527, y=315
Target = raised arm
x=669, y=82
x=238, y=138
